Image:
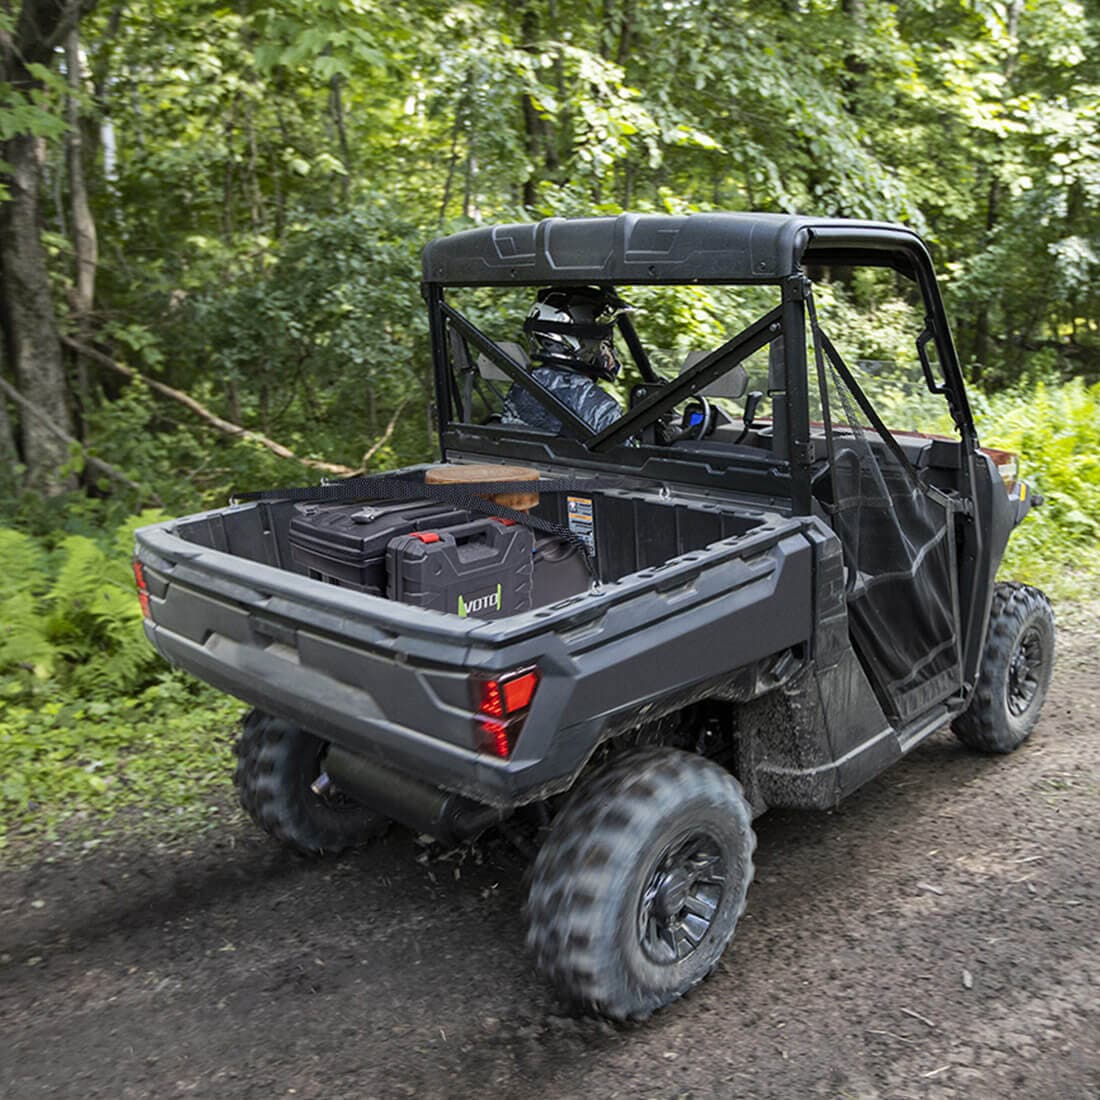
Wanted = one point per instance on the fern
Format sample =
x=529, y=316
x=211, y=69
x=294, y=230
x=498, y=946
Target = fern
x=84, y=627
x=94, y=621
x=23, y=641
x=23, y=564
x=122, y=542
x=1056, y=431
x=23, y=578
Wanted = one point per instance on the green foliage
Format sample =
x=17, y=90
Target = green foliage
x=68, y=763
x=33, y=111
x=32, y=107
x=72, y=614
x=875, y=324
x=1056, y=431
x=24, y=582
x=91, y=720
x=326, y=340
x=275, y=169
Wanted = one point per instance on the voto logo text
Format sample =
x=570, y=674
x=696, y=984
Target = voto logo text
x=476, y=605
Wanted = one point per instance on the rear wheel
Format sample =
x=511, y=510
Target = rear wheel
x=277, y=763
x=1015, y=671
x=638, y=888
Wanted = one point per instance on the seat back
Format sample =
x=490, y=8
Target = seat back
x=491, y=372
x=731, y=385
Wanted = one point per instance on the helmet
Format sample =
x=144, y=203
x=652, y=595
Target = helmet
x=573, y=328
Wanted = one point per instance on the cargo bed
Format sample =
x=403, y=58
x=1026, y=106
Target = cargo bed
x=691, y=590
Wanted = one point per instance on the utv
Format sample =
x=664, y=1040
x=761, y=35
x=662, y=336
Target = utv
x=629, y=641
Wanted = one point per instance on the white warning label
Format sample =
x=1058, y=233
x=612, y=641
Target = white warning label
x=580, y=521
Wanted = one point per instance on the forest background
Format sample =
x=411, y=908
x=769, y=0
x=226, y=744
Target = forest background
x=210, y=220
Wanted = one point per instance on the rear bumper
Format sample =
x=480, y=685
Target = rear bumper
x=276, y=683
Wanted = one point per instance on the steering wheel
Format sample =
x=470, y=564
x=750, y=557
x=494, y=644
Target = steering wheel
x=698, y=420
x=701, y=418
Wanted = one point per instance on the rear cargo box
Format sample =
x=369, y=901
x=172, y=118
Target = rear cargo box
x=345, y=544
x=482, y=569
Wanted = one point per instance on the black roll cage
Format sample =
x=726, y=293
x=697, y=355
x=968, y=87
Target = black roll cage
x=827, y=242
x=655, y=405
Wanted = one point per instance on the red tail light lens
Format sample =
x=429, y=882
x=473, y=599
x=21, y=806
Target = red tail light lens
x=492, y=699
x=495, y=738
x=504, y=704
x=519, y=691
x=142, y=587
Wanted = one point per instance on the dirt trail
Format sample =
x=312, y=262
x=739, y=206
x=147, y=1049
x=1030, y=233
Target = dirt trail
x=938, y=936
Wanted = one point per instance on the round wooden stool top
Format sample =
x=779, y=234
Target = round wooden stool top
x=474, y=472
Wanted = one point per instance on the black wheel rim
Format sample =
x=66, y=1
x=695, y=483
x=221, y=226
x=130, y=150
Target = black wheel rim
x=1024, y=671
x=681, y=899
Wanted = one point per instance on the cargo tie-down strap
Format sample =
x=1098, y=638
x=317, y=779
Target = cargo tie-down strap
x=466, y=496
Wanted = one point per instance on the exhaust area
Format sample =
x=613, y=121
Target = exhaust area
x=448, y=817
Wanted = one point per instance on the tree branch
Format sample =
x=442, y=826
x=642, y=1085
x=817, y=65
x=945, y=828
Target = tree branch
x=383, y=439
x=227, y=427
x=98, y=463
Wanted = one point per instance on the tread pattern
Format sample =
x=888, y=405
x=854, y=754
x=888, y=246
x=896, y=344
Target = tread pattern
x=986, y=725
x=272, y=780
x=578, y=877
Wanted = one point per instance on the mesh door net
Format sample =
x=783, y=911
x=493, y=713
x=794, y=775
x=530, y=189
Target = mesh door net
x=898, y=548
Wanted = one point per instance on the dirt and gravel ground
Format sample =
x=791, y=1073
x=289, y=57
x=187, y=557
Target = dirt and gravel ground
x=935, y=937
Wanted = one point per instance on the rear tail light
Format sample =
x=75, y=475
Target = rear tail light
x=142, y=587
x=502, y=706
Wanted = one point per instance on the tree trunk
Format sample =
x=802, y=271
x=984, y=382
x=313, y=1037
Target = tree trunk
x=626, y=34
x=31, y=340
x=85, y=247
x=452, y=161
x=336, y=107
x=532, y=131
x=84, y=234
x=9, y=457
x=9, y=454
x=856, y=13
x=469, y=199
x=257, y=208
x=30, y=328
x=228, y=198
x=531, y=140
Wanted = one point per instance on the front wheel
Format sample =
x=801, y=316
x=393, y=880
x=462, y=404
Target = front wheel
x=637, y=890
x=277, y=763
x=1014, y=675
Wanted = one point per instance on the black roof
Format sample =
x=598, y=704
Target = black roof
x=664, y=248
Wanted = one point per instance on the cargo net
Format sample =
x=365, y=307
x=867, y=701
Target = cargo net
x=898, y=549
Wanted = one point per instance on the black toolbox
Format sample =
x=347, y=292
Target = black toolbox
x=345, y=544
x=483, y=569
x=560, y=570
